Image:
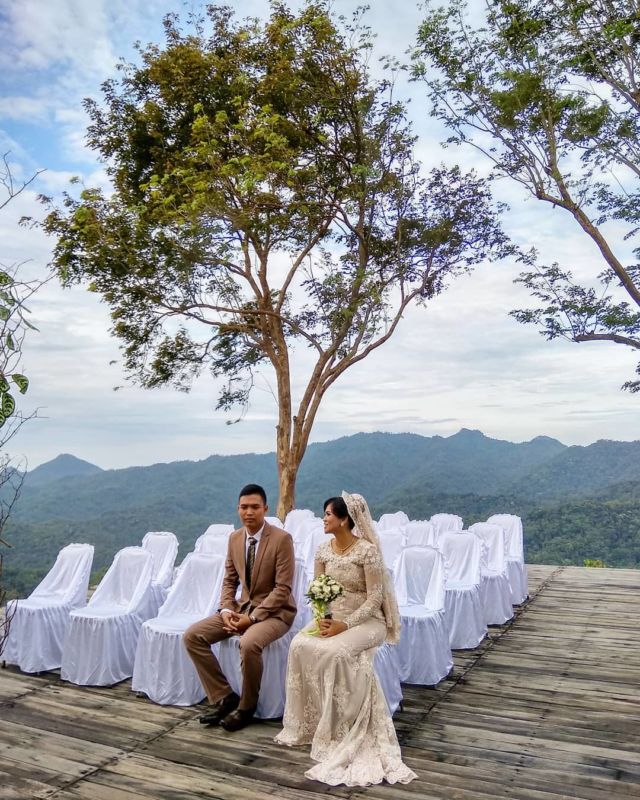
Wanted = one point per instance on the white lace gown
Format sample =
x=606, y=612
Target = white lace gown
x=334, y=701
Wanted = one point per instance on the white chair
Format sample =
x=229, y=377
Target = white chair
x=100, y=645
x=212, y=544
x=424, y=650
x=446, y=522
x=494, y=589
x=392, y=521
x=39, y=622
x=219, y=529
x=275, y=521
x=462, y=552
x=162, y=667
x=274, y=656
x=420, y=534
x=516, y=568
x=296, y=518
x=386, y=664
x=392, y=542
x=310, y=536
x=163, y=547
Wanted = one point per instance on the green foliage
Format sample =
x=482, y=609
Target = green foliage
x=547, y=90
x=572, y=501
x=594, y=562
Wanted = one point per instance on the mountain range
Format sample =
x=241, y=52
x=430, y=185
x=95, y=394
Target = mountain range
x=576, y=502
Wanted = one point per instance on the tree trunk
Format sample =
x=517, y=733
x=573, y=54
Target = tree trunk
x=287, y=474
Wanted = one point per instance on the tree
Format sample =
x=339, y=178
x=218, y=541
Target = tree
x=14, y=294
x=548, y=90
x=265, y=196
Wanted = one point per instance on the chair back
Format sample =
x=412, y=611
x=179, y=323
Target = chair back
x=446, y=522
x=392, y=543
x=462, y=552
x=127, y=581
x=420, y=534
x=275, y=521
x=420, y=578
x=212, y=544
x=219, y=529
x=296, y=518
x=392, y=521
x=298, y=590
x=163, y=547
x=197, y=587
x=495, y=544
x=513, y=529
x=67, y=581
x=309, y=539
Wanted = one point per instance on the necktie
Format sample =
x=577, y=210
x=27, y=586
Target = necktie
x=251, y=557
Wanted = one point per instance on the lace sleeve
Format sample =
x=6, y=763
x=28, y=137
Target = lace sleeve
x=373, y=572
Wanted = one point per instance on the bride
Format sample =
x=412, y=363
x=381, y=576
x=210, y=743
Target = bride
x=334, y=701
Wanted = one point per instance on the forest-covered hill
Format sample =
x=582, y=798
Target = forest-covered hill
x=576, y=502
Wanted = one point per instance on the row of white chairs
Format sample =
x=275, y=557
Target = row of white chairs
x=121, y=633
x=442, y=593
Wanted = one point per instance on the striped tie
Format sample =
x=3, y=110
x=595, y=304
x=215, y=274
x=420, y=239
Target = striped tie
x=251, y=557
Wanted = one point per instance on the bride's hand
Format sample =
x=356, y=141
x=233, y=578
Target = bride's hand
x=331, y=627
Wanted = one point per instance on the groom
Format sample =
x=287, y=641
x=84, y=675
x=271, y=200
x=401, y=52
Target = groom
x=261, y=561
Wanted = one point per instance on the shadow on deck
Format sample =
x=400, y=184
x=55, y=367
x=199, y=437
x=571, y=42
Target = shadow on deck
x=546, y=708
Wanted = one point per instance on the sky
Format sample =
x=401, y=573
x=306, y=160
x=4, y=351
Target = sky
x=460, y=362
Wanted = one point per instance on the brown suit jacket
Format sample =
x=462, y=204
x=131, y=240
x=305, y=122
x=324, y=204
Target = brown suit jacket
x=271, y=580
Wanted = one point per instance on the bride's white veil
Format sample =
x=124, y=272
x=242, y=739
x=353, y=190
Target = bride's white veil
x=359, y=513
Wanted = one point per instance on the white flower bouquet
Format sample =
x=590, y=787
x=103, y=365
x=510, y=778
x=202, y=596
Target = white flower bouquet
x=322, y=591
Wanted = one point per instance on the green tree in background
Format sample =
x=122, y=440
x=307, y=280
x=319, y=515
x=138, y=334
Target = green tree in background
x=14, y=294
x=549, y=91
x=266, y=196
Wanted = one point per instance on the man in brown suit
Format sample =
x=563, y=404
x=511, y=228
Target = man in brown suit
x=261, y=560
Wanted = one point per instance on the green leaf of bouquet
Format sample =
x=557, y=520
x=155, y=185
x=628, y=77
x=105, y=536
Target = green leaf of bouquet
x=4, y=385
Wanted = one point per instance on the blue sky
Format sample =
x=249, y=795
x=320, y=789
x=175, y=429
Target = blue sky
x=462, y=362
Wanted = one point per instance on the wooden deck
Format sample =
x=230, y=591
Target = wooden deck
x=547, y=708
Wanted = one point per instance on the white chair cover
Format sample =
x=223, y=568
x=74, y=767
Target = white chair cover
x=462, y=553
x=163, y=547
x=276, y=521
x=424, y=651
x=162, y=668
x=39, y=622
x=386, y=664
x=310, y=536
x=215, y=544
x=392, y=521
x=420, y=534
x=494, y=588
x=274, y=656
x=392, y=543
x=219, y=529
x=516, y=568
x=296, y=518
x=100, y=645
x=446, y=522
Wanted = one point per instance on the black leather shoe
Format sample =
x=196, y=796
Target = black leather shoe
x=220, y=710
x=238, y=719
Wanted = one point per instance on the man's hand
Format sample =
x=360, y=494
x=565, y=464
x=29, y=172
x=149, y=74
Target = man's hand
x=242, y=622
x=229, y=619
x=331, y=627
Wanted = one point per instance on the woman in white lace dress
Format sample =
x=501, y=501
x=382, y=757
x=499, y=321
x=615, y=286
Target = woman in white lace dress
x=334, y=700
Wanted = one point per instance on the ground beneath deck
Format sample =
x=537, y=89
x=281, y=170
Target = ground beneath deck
x=546, y=708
